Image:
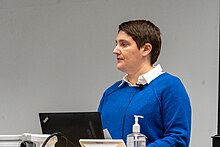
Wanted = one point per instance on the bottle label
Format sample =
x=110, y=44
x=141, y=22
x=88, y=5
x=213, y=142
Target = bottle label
x=136, y=142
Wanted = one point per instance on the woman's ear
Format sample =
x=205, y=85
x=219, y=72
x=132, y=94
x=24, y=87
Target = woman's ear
x=147, y=49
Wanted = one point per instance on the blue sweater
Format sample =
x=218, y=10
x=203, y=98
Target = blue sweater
x=164, y=103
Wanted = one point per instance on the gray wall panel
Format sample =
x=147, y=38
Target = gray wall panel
x=57, y=56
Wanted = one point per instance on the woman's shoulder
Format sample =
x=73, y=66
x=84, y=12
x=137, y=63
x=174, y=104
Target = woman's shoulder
x=166, y=80
x=113, y=88
x=167, y=77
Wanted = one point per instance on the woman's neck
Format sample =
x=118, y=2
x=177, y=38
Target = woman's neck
x=133, y=78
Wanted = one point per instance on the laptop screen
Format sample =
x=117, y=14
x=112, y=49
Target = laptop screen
x=73, y=125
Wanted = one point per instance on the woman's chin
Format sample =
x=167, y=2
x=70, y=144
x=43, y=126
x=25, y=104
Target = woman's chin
x=119, y=67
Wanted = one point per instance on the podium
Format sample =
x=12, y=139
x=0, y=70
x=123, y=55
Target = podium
x=27, y=140
x=102, y=143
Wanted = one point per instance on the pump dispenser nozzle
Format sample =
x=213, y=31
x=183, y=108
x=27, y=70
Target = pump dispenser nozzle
x=136, y=126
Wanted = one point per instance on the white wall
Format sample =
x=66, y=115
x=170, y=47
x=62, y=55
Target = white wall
x=56, y=55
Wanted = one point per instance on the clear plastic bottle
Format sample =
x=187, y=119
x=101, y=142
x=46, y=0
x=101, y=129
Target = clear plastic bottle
x=136, y=139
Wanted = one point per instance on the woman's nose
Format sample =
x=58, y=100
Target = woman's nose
x=116, y=50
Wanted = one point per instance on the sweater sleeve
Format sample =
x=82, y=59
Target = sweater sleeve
x=176, y=113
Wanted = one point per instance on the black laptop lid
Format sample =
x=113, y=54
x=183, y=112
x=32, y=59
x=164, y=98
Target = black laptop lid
x=74, y=125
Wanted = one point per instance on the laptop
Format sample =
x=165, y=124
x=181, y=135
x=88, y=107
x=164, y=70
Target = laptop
x=73, y=125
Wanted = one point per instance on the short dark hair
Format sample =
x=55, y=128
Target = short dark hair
x=143, y=31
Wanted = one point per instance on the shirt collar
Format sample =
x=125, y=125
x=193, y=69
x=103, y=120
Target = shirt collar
x=145, y=78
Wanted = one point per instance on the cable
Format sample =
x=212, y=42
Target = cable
x=57, y=134
x=27, y=144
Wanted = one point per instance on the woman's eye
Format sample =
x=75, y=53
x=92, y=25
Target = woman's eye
x=123, y=44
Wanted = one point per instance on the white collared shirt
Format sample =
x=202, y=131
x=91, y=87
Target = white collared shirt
x=145, y=78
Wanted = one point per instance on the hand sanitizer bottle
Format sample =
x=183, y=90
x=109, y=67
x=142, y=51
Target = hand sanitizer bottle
x=136, y=139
